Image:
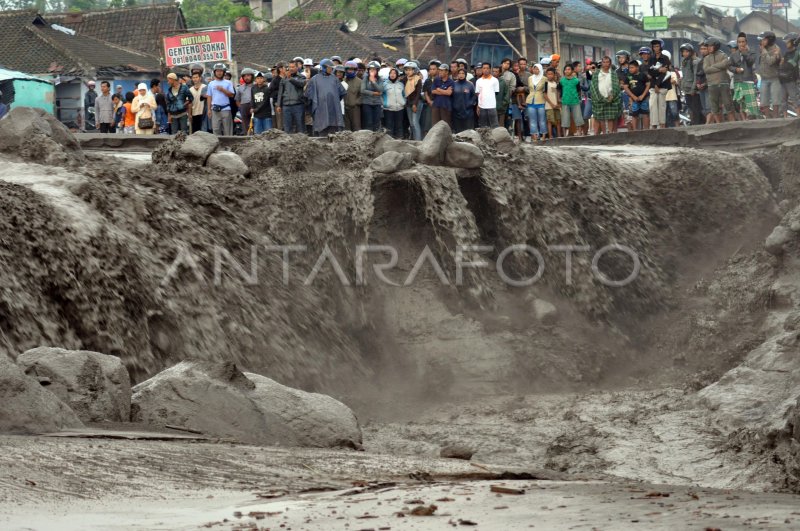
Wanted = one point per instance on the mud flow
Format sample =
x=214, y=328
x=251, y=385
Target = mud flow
x=299, y=317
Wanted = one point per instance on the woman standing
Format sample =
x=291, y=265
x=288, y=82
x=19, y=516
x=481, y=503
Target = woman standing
x=371, y=102
x=537, y=117
x=394, y=104
x=144, y=108
x=414, y=101
x=606, y=101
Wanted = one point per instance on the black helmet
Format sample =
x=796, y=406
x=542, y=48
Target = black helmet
x=687, y=46
x=770, y=36
x=713, y=42
x=793, y=36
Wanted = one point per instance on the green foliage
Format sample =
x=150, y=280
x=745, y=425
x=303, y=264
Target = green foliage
x=205, y=13
x=385, y=10
x=684, y=7
x=295, y=14
x=319, y=15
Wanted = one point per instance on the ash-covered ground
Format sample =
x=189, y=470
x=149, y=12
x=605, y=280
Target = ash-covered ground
x=647, y=396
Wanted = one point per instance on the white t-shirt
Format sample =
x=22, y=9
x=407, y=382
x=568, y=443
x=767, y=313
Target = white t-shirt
x=486, y=90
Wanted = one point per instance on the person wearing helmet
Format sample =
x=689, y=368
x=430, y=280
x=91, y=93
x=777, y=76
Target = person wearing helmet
x=352, y=100
x=788, y=73
x=325, y=92
x=371, y=97
x=715, y=66
x=414, y=101
x=743, y=61
x=244, y=98
x=290, y=100
x=262, y=113
x=688, y=83
x=220, y=91
x=337, y=61
x=771, y=88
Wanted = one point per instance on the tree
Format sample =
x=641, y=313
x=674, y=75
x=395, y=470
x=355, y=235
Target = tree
x=620, y=6
x=205, y=13
x=385, y=10
x=684, y=7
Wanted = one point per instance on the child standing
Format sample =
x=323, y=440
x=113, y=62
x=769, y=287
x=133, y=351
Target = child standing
x=552, y=103
x=570, y=100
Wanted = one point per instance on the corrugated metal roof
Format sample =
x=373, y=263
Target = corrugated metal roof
x=5, y=75
x=590, y=15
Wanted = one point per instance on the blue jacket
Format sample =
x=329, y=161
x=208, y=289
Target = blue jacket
x=180, y=103
x=394, y=95
x=463, y=99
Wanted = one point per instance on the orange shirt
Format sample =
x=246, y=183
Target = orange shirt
x=130, y=118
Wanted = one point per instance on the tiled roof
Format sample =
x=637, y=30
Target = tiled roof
x=29, y=44
x=590, y=15
x=290, y=38
x=372, y=27
x=137, y=28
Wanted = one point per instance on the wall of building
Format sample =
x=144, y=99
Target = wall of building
x=29, y=93
x=754, y=26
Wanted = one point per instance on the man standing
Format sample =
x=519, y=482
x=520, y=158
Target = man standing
x=689, y=83
x=290, y=100
x=3, y=106
x=326, y=93
x=771, y=89
x=244, y=98
x=262, y=113
x=743, y=62
x=104, y=108
x=510, y=80
x=487, y=88
x=220, y=91
x=352, y=100
x=442, y=91
x=179, y=101
x=88, y=103
x=427, y=93
x=274, y=88
x=198, y=90
x=715, y=66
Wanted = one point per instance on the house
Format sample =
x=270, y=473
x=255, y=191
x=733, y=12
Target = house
x=136, y=28
x=314, y=39
x=489, y=30
x=30, y=43
x=23, y=90
x=758, y=21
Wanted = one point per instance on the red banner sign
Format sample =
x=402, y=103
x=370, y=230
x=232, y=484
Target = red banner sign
x=209, y=46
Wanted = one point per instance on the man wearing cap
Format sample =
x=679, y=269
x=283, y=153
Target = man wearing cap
x=88, y=103
x=179, y=102
x=262, y=112
x=243, y=98
x=336, y=60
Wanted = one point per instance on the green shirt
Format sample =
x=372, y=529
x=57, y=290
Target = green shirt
x=570, y=94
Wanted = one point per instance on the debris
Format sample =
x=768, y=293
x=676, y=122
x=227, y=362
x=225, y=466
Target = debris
x=183, y=428
x=506, y=490
x=466, y=522
x=424, y=510
x=456, y=451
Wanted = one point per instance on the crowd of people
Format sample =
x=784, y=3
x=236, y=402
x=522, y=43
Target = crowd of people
x=536, y=102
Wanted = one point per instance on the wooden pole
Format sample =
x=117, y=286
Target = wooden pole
x=523, y=40
x=554, y=27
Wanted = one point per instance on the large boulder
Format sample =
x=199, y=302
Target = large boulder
x=221, y=401
x=778, y=239
x=312, y=419
x=433, y=148
x=96, y=386
x=463, y=155
x=27, y=407
x=502, y=140
x=391, y=162
x=388, y=144
x=227, y=162
x=198, y=147
x=36, y=135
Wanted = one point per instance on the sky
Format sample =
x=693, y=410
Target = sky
x=722, y=5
